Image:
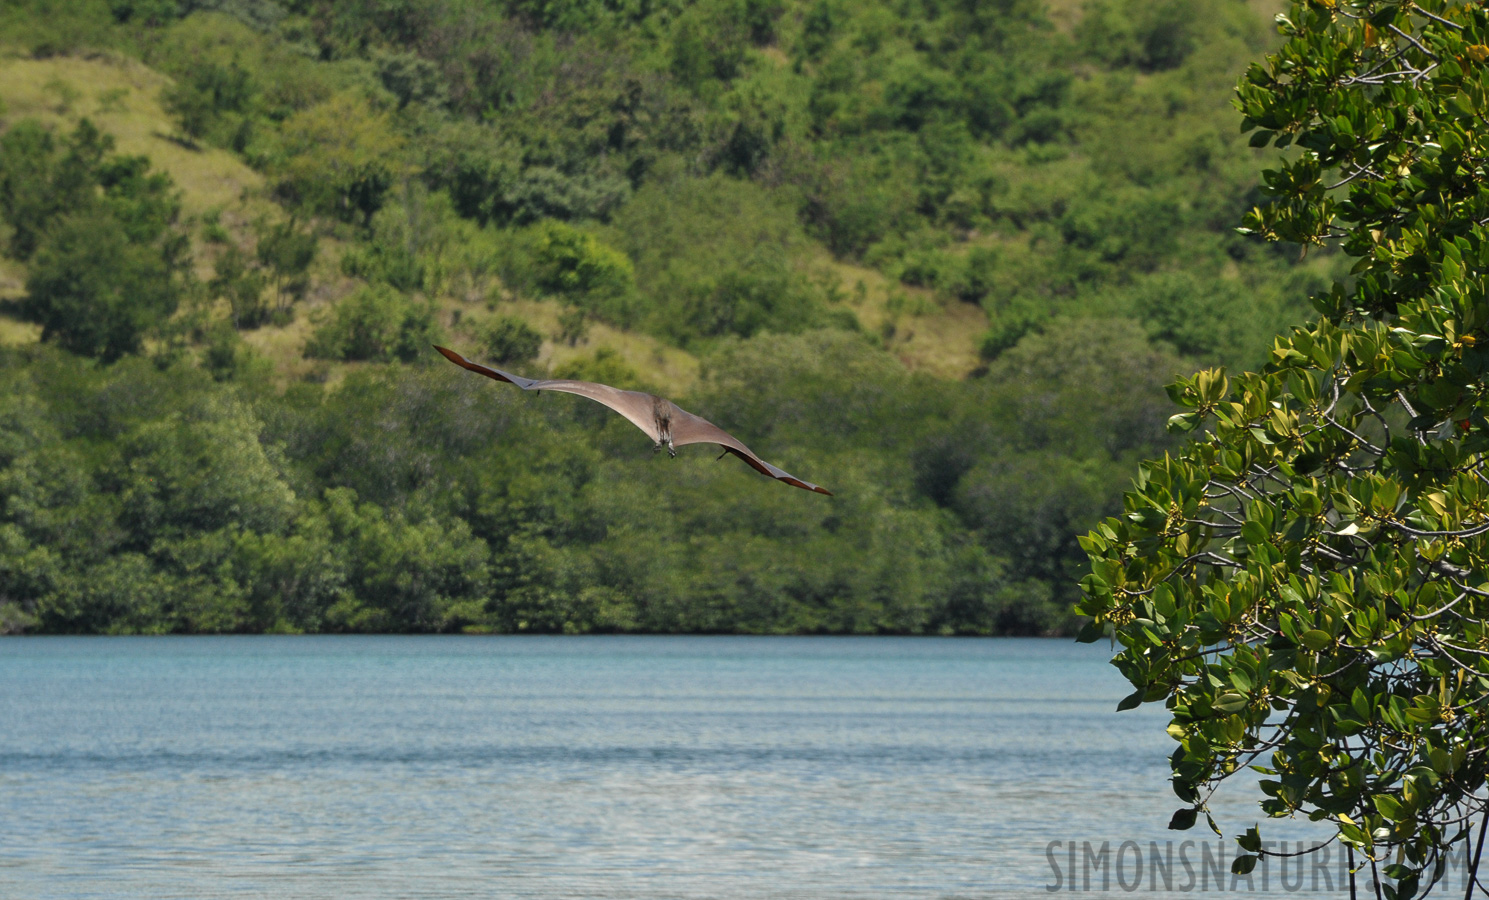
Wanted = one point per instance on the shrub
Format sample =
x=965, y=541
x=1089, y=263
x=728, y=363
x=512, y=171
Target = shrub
x=95, y=292
x=376, y=324
x=573, y=263
x=508, y=339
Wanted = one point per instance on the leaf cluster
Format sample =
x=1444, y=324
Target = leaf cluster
x=1304, y=583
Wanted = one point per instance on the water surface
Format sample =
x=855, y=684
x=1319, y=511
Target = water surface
x=569, y=767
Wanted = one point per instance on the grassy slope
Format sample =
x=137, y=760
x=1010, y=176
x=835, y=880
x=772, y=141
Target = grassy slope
x=121, y=96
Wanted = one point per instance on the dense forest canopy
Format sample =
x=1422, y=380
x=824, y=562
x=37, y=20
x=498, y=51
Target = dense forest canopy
x=940, y=256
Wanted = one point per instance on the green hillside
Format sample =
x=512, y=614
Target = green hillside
x=938, y=256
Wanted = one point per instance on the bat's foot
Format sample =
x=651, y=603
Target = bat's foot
x=671, y=452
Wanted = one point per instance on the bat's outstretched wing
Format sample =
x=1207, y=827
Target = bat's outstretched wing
x=690, y=429
x=639, y=408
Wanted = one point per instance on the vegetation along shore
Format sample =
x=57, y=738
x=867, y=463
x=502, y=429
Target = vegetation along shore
x=946, y=253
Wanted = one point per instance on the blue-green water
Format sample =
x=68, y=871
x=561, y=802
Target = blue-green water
x=583, y=767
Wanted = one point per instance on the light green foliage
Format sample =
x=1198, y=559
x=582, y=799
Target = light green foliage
x=339, y=158
x=978, y=152
x=1304, y=583
x=424, y=575
x=198, y=471
x=563, y=261
x=377, y=324
x=716, y=257
x=604, y=366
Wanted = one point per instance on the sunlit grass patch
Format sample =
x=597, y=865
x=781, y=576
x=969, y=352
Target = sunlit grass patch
x=284, y=346
x=13, y=332
x=924, y=333
x=12, y=288
x=121, y=97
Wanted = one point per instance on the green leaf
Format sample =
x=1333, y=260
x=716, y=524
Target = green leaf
x=1316, y=639
x=1452, y=143
x=1090, y=633
x=1132, y=700
x=1442, y=761
x=1230, y=702
x=1183, y=422
x=1254, y=533
x=1251, y=841
x=1352, y=834
x=1242, y=865
x=1389, y=807
x=1183, y=819
x=1148, y=517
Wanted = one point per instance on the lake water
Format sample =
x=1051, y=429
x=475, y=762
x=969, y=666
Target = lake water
x=580, y=767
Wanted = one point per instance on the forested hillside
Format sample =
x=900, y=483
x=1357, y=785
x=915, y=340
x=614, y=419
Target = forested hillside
x=939, y=256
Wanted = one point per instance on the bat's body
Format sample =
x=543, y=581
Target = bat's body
x=666, y=423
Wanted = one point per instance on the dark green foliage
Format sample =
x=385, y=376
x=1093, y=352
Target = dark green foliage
x=510, y=340
x=199, y=470
x=242, y=286
x=286, y=252
x=44, y=28
x=423, y=498
x=40, y=181
x=375, y=324
x=425, y=575
x=95, y=292
x=411, y=78
x=150, y=13
x=213, y=97
x=29, y=194
x=99, y=230
x=396, y=266
x=282, y=258
x=228, y=358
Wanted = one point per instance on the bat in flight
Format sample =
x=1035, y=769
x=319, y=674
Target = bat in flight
x=666, y=423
